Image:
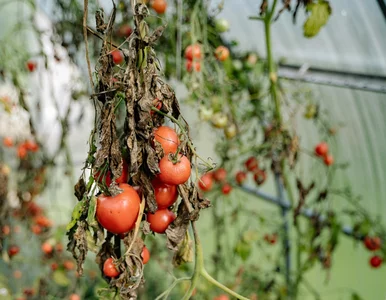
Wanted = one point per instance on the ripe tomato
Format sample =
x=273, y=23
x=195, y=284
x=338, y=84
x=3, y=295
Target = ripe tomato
x=36, y=229
x=221, y=53
x=221, y=297
x=124, y=31
x=68, y=265
x=260, y=176
x=33, y=209
x=8, y=142
x=192, y=66
x=59, y=247
x=21, y=152
x=43, y=221
x=328, y=160
x=193, y=52
x=241, y=176
x=47, y=248
x=31, y=65
x=168, y=139
x=145, y=255
x=220, y=175
x=226, y=189
x=372, y=243
x=31, y=146
x=252, y=164
x=165, y=194
x=74, y=297
x=54, y=266
x=13, y=250
x=376, y=261
x=160, y=221
x=117, y=57
x=159, y=6
x=174, y=173
x=206, y=182
x=109, y=269
x=321, y=149
x=6, y=230
x=118, y=213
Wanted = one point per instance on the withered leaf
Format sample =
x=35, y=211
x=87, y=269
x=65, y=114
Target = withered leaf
x=78, y=245
x=184, y=252
x=80, y=189
x=176, y=231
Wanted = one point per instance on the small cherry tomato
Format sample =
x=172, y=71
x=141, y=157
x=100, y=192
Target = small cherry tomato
x=328, y=160
x=321, y=149
x=109, y=269
x=226, y=189
x=376, y=261
x=241, y=176
x=221, y=297
x=145, y=255
x=221, y=53
x=29, y=291
x=21, y=152
x=17, y=274
x=42, y=221
x=252, y=164
x=47, y=248
x=13, y=250
x=124, y=31
x=168, y=139
x=6, y=230
x=220, y=175
x=159, y=6
x=68, y=265
x=160, y=220
x=174, y=172
x=260, y=176
x=192, y=66
x=117, y=57
x=372, y=243
x=205, y=113
x=31, y=146
x=8, y=142
x=31, y=65
x=36, y=229
x=54, y=266
x=206, y=182
x=74, y=297
x=165, y=194
x=193, y=52
x=221, y=25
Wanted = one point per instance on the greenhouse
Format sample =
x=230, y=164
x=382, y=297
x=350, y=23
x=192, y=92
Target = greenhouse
x=192, y=149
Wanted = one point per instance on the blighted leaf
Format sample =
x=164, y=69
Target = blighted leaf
x=176, y=231
x=78, y=245
x=184, y=253
x=60, y=278
x=320, y=12
x=91, y=212
x=76, y=214
x=243, y=250
x=80, y=189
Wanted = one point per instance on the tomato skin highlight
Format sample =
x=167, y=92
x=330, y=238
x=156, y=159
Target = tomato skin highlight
x=109, y=269
x=168, y=139
x=321, y=149
x=241, y=176
x=206, y=182
x=159, y=6
x=165, y=194
x=118, y=214
x=375, y=261
x=174, y=174
x=160, y=220
x=145, y=254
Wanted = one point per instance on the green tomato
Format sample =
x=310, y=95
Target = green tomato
x=237, y=65
x=222, y=25
x=230, y=131
x=219, y=120
x=205, y=113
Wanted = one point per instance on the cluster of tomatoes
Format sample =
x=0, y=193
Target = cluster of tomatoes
x=118, y=214
x=321, y=150
x=373, y=244
x=217, y=176
x=252, y=166
x=23, y=148
x=193, y=56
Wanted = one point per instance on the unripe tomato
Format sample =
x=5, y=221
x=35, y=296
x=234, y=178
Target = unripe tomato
x=252, y=164
x=174, y=173
x=222, y=25
x=117, y=57
x=160, y=220
x=240, y=177
x=206, y=182
x=226, y=189
x=165, y=194
x=219, y=120
x=260, y=176
x=8, y=142
x=376, y=261
x=193, y=52
x=192, y=65
x=13, y=250
x=145, y=255
x=124, y=31
x=168, y=139
x=159, y=6
x=47, y=248
x=119, y=213
x=230, y=131
x=109, y=269
x=205, y=113
x=372, y=243
x=321, y=149
x=68, y=265
x=220, y=175
x=328, y=160
x=74, y=297
x=31, y=65
x=237, y=65
x=221, y=53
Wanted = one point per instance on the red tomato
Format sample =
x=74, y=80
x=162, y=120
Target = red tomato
x=124, y=31
x=59, y=247
x=159, y=6
x=29, y=291
x=252, y=164
x=206, y=182
x=260, y=176
x=21, y=152
x=109, y=269
x=145, y=255
x=221, y=53
x=321, y=149
x=119, y=213
x=174, y=173
x=240, y=177
x=43, y=221
x=221, y=297
x=168, y=139
x=8, y=142
x=31, y=146
x=160, y=221
x=33, y=209
x=6, y=230
x=372, y=243
x=165, y=194
x=54, y=266
x=74, y=297
x=328, y=160
x=157, y=104
x=68, y=265
x=36, y=229
x=193, y=52
x=17, y=274
x=226, y=189
x=13, y=250
x=31, y=65
x=220, y=175
x=376, y=261
x=192, y=66
x=117, y=57
x=47, y=248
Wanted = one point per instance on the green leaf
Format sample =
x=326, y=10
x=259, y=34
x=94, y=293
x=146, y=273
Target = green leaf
x=243, y=250
x=320, y=12
x=76, y=213
x=60, y=278
x=355, y=296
